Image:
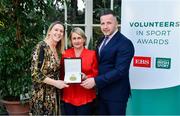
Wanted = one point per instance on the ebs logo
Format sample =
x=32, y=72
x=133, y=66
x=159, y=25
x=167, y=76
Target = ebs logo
x=141, y=61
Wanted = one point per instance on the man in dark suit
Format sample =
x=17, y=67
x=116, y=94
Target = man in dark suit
x=115, y=53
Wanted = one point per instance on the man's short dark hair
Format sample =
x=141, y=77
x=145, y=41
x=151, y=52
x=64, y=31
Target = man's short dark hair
x=106, y=12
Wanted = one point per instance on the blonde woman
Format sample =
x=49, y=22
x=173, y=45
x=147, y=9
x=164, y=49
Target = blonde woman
x=45, y=71
x=77, y=99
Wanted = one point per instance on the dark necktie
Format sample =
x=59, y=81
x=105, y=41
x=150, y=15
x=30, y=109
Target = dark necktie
x=104, y=43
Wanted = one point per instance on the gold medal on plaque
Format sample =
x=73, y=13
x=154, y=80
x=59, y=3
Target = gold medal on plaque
x=73, y=77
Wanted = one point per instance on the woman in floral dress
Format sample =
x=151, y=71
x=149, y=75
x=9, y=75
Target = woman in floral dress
x=45, y=72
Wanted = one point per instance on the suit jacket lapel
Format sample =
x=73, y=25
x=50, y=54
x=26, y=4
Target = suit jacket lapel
x=110, y=44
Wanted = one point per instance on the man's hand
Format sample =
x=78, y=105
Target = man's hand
x=88, y=83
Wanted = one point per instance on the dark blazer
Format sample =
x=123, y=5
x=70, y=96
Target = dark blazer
x=114, y=63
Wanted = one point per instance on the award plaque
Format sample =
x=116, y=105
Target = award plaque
x=72, y=70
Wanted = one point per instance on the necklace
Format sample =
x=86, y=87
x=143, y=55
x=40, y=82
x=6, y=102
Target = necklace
x=55, y=54
x=53, y=49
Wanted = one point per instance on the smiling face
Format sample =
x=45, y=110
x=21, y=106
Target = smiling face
x=57, y=32
x=77, y=41
x=108, y=24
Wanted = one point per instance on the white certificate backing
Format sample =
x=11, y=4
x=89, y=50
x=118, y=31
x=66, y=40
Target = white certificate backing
x=72, y=70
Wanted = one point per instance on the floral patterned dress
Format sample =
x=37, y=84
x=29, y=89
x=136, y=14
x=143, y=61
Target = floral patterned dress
x=44, y=97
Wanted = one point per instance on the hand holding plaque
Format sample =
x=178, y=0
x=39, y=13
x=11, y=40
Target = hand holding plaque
x=72, y=70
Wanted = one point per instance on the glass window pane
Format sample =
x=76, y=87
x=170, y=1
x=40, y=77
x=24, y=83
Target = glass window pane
x=117, y=9
x=97, y=6
x=96, y=36
x=75, y=12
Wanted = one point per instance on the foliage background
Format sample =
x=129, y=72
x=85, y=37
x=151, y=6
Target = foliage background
x=22, y=25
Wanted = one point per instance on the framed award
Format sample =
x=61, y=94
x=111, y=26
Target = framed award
x=73, y=67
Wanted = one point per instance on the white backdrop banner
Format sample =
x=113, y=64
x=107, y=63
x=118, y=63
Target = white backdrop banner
x=154, y=28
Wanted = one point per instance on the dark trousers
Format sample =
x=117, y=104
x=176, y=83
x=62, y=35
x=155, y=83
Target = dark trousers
x=70, y=109
x=111, y=108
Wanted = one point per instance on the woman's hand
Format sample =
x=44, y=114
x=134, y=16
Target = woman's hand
x=84, y=77
x=60, y=84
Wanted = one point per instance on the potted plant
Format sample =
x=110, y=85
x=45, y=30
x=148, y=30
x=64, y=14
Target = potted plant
x=14, y=73
x=16, y=44
x=21, y=26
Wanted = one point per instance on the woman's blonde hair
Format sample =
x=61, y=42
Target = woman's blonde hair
x=80, y=32
x=60, y=44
